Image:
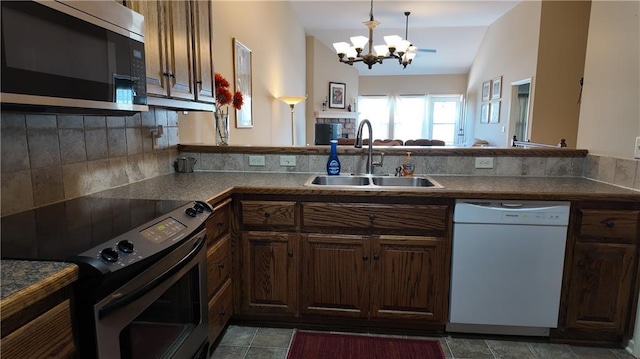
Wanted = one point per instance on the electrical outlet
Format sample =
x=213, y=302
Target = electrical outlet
x=287, y=160
x=484, y=162
x=636, y=152
x=256, y=160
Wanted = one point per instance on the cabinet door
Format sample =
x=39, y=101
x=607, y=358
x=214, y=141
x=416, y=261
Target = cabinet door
x=203, y=51
x=335, y=275
x=269, y=276
x=599, y=294
x=408, y=278
x=179, y=51
x=154, y=44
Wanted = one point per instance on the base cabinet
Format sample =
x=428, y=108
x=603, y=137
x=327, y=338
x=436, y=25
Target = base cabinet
x=394, y=277
x=409, y=278
x=270, y=273
x=219, y=269
x=382, y=261
x=335, y=275
x=47, y=336
x=600, y=286
x=601, y=278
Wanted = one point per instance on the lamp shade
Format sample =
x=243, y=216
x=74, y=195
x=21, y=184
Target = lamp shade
x=341, y=47
x=359, y=41
x=292, y=100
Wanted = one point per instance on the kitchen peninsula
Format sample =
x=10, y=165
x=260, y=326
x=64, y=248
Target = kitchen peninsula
x=273, y=207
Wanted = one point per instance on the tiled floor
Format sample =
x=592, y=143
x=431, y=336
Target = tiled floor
x=271, y=343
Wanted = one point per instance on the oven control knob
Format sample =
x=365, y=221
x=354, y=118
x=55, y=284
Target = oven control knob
x=125, y=246
x=109, y=255
x=198, y=207
x=190, y=212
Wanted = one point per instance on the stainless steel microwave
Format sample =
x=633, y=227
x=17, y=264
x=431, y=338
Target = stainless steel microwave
x=84, y=56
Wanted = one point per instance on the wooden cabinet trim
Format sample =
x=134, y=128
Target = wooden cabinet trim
x=220, y=310
x=608, y=224
x=218, y=264
x=276, y=214
x=48, y=336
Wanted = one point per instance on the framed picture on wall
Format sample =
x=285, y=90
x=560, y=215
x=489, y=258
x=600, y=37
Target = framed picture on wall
x=494, y=116
x=486, y=90
x=496, y=88
x=242, y=76
x=337, y=95
x=484, y=113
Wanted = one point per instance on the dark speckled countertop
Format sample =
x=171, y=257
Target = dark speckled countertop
x=25, y=282
x=17, y=276
x=214, y=185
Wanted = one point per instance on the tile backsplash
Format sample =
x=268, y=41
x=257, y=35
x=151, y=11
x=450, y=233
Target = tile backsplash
x=618, y=171
x=50, y=158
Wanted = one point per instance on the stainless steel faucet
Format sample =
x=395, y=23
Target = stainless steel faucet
x=358, y=144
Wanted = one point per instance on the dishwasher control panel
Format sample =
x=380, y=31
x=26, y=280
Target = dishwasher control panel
x=512, y=212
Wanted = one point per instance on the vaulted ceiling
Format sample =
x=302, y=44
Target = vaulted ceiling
x=453, y=28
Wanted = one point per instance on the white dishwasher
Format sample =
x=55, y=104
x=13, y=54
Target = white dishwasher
x=507, y=264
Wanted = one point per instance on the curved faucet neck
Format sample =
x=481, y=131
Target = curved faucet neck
x=358, y=144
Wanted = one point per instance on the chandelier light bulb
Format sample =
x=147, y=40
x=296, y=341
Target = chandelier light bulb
x=352, y=53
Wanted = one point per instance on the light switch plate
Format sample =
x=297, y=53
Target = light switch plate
x=287, y=160
x=484, y=162
x=636, y=152
x=256, y=160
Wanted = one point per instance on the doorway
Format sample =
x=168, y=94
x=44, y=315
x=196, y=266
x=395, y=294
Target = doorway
x=520, y=104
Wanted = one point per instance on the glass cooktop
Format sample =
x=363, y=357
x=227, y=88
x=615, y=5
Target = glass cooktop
x=61, y=230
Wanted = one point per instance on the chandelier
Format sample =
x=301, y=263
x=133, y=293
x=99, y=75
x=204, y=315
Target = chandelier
x=395, y=48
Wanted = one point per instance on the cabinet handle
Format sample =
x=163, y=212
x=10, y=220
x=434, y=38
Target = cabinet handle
x=222, y=313
x=267, y=214
x=581, y=264
x=220, y=224
x=173, y=76
x=199, y=82
x=372, y=217
x=166, y=74
x=376, y=257
x=365, y=258
x=290, y=254
x=221, y=265
x=609, y=224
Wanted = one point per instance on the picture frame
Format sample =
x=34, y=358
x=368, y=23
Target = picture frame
x=496, y=88
x=242, y=76
x=494, y=116
x=337, y=95
x=486, y=90
x=484, y=113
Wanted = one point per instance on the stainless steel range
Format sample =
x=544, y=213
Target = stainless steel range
x=142, y=286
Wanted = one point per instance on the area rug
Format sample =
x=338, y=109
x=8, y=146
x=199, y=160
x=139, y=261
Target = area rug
x=313, y=345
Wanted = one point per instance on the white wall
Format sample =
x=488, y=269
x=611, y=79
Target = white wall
x=610, y=109
x=323, y=67
x=278, y=67
x=413, y=84
x=509, y=49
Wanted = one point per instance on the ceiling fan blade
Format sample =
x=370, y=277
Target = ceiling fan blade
x=427, y=50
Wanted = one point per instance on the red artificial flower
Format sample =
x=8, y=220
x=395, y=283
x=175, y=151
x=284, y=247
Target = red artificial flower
x=220, y=81
x=238, y=101
x=223, y=96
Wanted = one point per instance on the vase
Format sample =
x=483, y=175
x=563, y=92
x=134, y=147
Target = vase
x=222, y=129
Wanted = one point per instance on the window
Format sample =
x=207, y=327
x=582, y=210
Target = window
x=408, y=117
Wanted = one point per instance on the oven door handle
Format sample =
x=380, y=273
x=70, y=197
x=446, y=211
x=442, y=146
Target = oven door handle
x=149, y=286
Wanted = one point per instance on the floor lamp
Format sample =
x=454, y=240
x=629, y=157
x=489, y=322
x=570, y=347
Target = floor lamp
x=292, y=101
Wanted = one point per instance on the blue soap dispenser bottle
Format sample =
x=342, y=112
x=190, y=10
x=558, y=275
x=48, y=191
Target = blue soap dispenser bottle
x=333, y=163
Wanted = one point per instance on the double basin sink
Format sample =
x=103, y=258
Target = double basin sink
x=369, y=181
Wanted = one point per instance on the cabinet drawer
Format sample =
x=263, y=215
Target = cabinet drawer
x=269, y=213
x=220, y=310
x=218, y=264
x=391, y=217
x=613, y=224
x=218, y=223
x=47, y=336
